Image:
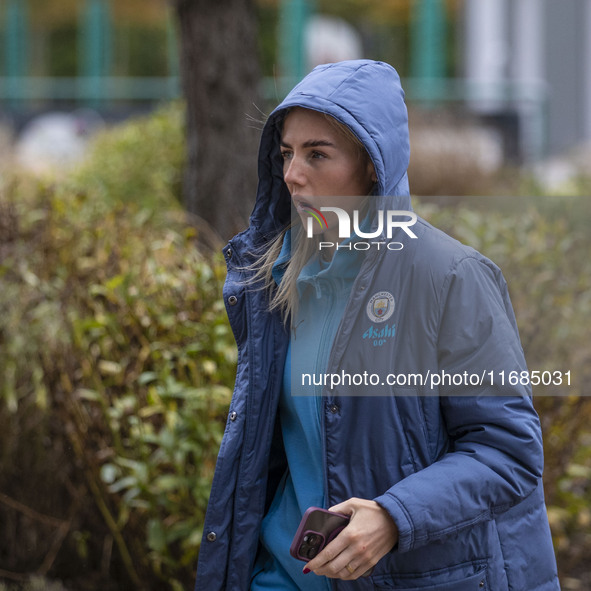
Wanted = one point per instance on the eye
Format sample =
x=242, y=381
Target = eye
x=286, y=154
x=318, y=155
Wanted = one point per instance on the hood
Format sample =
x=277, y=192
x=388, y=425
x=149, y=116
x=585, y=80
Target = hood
x=367, y=97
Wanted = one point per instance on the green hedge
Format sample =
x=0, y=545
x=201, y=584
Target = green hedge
x=139, y=162
x=115, y=345
x=116, y=363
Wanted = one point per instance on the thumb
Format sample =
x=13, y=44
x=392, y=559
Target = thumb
x=346, y=508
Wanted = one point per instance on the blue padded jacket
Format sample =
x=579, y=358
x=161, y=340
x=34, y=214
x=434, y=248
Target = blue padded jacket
x=459, y=474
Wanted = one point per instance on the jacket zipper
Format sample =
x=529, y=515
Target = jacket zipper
x=322, y=400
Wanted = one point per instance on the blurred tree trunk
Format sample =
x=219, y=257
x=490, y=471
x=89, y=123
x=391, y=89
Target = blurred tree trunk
x=220, y=76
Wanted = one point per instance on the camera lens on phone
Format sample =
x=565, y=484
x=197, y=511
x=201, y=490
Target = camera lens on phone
x=312, y=551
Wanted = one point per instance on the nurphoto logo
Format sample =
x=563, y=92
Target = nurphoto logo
x=389, y=220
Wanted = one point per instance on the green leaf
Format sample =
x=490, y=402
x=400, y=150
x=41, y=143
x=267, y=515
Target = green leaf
x=147, y=377
x=156, y=536
x=122, y=484
x=109, y=473
x=167, y=483
x=86, y=394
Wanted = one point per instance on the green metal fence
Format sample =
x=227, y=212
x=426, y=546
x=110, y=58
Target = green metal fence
x=94, y=85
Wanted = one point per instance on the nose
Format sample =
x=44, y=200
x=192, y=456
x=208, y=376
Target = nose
x=293, y=173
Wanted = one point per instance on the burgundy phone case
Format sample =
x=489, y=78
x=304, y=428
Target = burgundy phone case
x=317, y=522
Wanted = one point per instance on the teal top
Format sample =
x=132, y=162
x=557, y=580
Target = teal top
x=324, y=290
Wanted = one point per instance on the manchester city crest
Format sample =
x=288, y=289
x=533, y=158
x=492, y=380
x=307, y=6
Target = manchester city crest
x=380, y=306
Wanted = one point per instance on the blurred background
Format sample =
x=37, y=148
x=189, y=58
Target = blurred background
x=514, y=73
x=128, y=139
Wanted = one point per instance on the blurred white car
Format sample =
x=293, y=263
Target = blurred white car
x=56, y=141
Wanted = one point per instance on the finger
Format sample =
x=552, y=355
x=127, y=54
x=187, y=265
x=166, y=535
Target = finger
x=338, y=560
x=326, y=556
x=346, y=557
x=352, y=569
x=325, y=560
x=341, y=567
x=346, y=507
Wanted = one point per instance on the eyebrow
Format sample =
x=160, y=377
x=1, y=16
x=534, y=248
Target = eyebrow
x=310, y=144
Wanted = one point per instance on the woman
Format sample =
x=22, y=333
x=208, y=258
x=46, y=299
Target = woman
x=441, y=479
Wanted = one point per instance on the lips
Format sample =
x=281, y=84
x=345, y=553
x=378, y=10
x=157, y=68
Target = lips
x=301, y=203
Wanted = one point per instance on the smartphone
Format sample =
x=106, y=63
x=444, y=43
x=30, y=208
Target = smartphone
x=317, y=529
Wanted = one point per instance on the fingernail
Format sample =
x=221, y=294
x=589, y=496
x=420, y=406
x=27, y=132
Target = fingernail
x=306, y=570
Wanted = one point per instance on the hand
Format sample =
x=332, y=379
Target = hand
x=370, y=535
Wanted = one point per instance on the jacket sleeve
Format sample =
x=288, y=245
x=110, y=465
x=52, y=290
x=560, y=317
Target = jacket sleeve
x=495, y=456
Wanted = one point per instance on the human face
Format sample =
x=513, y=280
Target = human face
x=322, y=167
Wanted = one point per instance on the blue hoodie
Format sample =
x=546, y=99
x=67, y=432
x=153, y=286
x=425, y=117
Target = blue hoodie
x=457, y=468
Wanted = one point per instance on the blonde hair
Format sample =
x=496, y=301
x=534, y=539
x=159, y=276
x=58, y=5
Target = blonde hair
x=284, y=297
